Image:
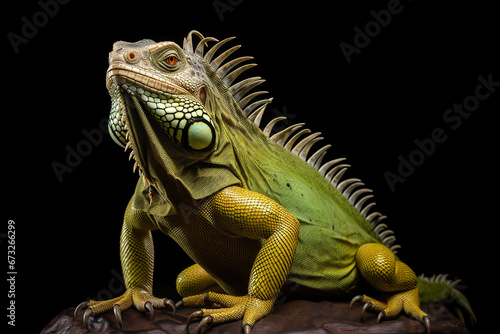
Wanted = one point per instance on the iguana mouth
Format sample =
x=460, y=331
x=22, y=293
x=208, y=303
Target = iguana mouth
x=121, y=73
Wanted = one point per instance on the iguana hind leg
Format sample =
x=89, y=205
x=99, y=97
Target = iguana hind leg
x=194, y=280
x=394, y=279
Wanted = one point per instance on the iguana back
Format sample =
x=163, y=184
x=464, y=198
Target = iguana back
x=333, y=212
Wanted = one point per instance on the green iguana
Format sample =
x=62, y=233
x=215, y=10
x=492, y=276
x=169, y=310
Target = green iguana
x=258, y=213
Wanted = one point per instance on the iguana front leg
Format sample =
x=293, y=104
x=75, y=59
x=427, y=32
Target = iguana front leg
x=137, y=258
x=243, y=213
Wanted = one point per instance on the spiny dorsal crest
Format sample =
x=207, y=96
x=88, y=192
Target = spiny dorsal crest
x=441, y=278
x=295, y=138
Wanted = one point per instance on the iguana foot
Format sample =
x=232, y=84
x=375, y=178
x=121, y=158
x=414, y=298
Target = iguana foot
x=390, y=306
x=140, y=299
x=395, y=281
x=232, y=308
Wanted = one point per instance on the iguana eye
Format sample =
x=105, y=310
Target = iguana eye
x=171, y=60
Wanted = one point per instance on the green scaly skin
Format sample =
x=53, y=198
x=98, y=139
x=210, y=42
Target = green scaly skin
x=257, y=213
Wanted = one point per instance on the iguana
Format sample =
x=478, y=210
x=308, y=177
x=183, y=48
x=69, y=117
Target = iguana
x=257, y=211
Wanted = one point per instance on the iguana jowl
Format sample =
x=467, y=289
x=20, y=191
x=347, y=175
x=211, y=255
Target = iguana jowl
x=258, y=214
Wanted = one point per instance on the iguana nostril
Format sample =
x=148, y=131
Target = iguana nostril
x=132, y=56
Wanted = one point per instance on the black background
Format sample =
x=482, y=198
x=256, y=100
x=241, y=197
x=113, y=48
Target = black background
x=393, y=92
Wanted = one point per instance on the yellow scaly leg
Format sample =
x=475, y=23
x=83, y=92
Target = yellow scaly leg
x=194, y=280
x=137, y=257
x=394, y=279
x=247, y=214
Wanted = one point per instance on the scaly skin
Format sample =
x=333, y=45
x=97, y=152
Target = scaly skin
x=257, y=213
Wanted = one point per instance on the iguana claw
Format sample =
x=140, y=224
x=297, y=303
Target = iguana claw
x=380, y=316
x=247, y=329
x=427, y=325
x=180, y=303
x=144, y=302
x=378, y=306
x=363, y=310
x=118, y=315
x=204, y=323
x=366, y=306
x=207, y=321
x=84, y=304
x=149, y=307
x=227, y=308
x=358, y=298
x=169, y=302
x=192, y=316
x=86, y=318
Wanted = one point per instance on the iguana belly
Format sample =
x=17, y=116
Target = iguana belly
x=324, y=265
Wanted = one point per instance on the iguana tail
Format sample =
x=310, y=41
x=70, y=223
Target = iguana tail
x=440, y=290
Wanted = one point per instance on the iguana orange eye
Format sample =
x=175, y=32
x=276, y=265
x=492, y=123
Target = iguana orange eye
x=172, y=60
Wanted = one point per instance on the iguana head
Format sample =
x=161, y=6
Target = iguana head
x=178, y=112
x=165, y=81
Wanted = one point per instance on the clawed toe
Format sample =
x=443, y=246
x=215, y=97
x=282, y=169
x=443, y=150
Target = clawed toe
x=391, y=309
x=205, y=321
x=194, y=315
x=366, y=306
x=229, y=308
x=82, y=305
x=121, y=304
